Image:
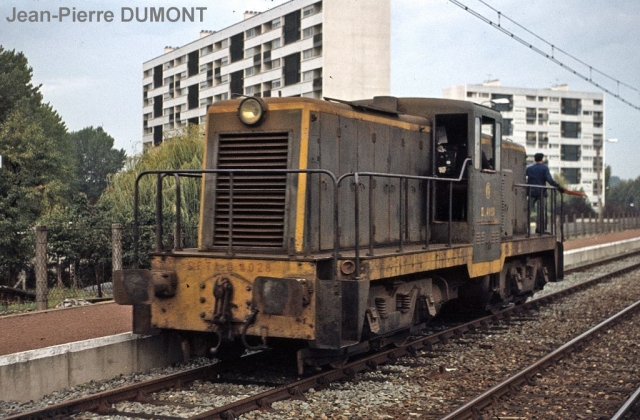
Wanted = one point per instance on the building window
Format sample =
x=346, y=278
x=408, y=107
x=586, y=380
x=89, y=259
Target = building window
x=236, y=83
x=543, y=139
x=276, y=84
x=503, y=107
x=157, y=76
x=570, y=130
x=570, y=106
x=292, y=69
x=250, y=52
x=236, y=49
x=292, y=27
x=531, y=138
x=276, y=23
x=249, y=71
x=306, y=54
x=307, y=76
x=531, y=116
x=543, y=116
x=252, y=32
x=507, y=127
x=570, y=153
x=598, y=118
x=307, y=32
x=597, y=140
x=308, y=11
x=193, y=64
x=276, y=43
x=531, y=98
x=193, y=96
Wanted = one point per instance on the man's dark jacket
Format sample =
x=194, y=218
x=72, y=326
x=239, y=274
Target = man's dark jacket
x=538, y=174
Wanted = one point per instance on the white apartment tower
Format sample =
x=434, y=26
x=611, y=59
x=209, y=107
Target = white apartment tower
x=311, y=48
x=567, y=126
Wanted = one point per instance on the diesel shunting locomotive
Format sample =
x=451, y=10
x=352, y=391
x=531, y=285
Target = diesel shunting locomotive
x=334, y=227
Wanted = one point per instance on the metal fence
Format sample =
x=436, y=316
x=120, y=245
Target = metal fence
x=52, y=280
x=576, y=226
x=59, y=282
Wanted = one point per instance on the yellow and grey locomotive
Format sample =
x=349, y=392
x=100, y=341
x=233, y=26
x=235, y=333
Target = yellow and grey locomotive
x=338, y=226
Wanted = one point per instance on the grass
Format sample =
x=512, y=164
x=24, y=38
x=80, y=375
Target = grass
x=55, y=295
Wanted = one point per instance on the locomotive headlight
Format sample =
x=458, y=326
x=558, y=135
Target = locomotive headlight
x=252, y=110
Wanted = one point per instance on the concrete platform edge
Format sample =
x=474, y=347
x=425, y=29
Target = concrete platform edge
x=591, y=254
x=31, y=375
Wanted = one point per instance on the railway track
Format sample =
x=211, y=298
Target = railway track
x=589, y=375
x=153, y=397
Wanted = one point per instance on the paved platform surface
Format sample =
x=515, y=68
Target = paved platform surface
x=37, y=330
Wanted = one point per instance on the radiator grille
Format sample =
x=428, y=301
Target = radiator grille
x=258, y=198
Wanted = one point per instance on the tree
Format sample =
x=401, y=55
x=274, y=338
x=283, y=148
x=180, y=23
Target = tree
x=96, y=159
x=181, y=152
x=15, y=81
x=78, y=237
x=36, y=161
x=624, y=197
x=577, y=206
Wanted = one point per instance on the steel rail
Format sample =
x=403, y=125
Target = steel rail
x=628, y=407
x=97, y=402
x=507, y=386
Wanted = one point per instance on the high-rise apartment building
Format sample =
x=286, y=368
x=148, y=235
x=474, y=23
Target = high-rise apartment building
x=311, y=48
x=567, y=126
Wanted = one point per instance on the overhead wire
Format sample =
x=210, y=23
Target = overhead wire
x=551, y=56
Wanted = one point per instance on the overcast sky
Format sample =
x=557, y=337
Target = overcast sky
x=91, y=73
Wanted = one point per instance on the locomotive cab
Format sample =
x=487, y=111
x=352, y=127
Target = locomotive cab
x=467, y=148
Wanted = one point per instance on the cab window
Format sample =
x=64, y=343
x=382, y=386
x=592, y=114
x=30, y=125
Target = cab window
x=450, y=144
x=488, y=138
